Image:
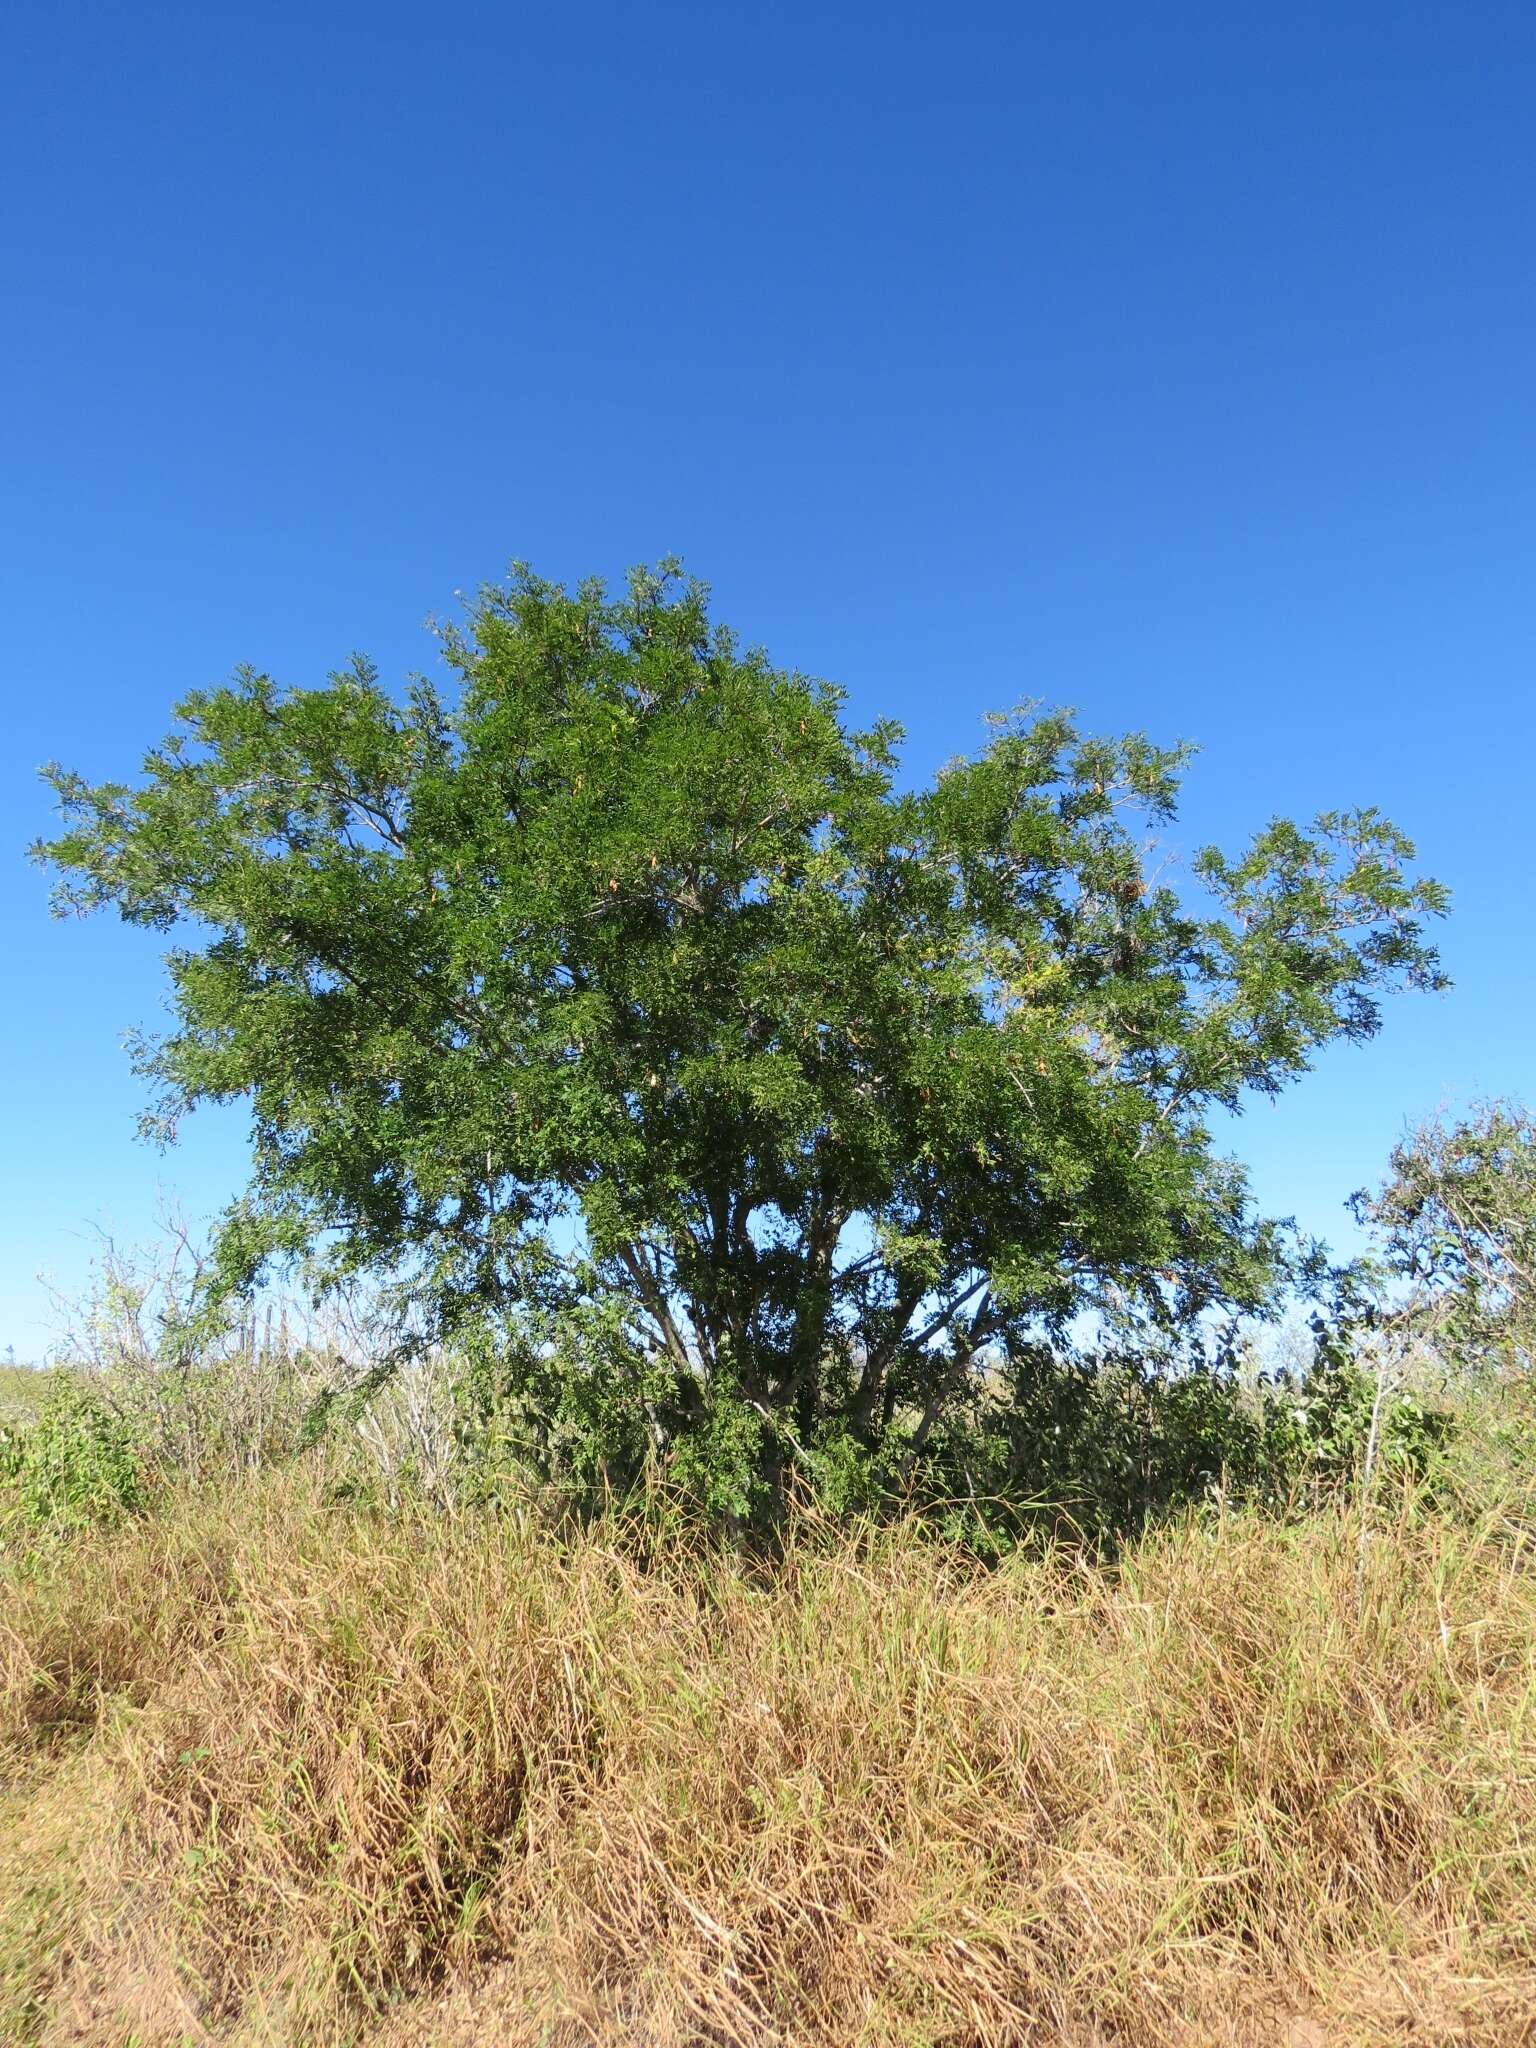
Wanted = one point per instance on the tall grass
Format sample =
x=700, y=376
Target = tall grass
x=279, y=1772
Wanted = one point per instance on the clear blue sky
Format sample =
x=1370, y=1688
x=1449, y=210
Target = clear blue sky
x=1177, y=363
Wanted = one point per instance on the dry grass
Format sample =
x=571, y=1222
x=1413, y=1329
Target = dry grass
x=283, y=1774
x=22, y=1388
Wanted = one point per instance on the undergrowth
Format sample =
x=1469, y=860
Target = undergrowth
x=281, y=1770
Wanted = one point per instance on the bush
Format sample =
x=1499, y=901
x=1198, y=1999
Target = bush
x=77, y=1466
x=1050, y=1442
x=1037, y=1439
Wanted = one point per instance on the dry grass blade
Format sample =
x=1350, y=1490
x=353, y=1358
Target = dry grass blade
x=283, y=1774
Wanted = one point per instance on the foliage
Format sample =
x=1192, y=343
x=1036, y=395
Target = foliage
x=1099, y=1446
x=1456, y=1217
x=1090, y=1447
x=1342, y=1405
x=204, y=1398
x=624, y=1006
x=76, y=1466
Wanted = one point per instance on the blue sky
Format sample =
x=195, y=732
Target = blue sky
x=1175, y=363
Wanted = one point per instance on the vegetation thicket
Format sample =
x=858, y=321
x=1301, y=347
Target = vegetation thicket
x=737, y=1100
x=773, y=1517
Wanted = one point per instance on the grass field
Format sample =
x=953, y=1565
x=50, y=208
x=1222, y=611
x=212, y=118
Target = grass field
x=282, y=1772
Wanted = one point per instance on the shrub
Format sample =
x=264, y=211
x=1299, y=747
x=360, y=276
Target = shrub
x=77, y=1466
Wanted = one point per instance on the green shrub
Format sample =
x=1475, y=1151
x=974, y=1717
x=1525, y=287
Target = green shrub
x=1103, y=1447
x=77, y=1466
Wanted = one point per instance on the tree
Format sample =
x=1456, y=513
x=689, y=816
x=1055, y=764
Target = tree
x=621, y=1000
x=1456, y=1217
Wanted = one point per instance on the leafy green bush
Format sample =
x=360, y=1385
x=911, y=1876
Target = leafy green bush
x=1103, y=1446
x=1096, y=1446
x=1333, y=1421
x=77, y=1466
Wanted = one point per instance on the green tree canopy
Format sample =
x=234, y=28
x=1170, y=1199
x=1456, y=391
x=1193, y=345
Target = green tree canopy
x=623, y=981
x=1456, y=1219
